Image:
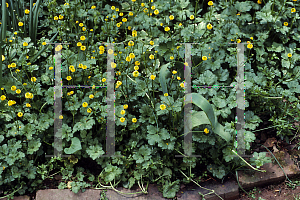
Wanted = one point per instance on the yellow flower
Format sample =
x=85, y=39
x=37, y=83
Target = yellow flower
x=85, y=104
x=82, y=37
x=172, y=57
x=3, y=97
x=89, y=110
x=124, y=20
x=44, y=43
x=71, y=67
x=113, y=65
x=174, y=72
x=206, y=130
x=83, y=28
x=117, y=9
x=204, y=58
x=152, y=77
x=289, y=55
x=167, y=28
x=91, y=30
x=135, y=73
x=122, y=112
x=11, y=102
x=134, y=120
x=130, y=43
x=80, y=65
x=20, y=23
x=209, y=26
x=285, y=24
x=152, y=7
x=178, y=78
x=61, y=17
x=28, y=105
x=249, y=46
x=151, y=42
x=55, y=18
x=25, y=44
x=125, y=106
x=151, y=56
x=162, y=107
x=192, y=17
x=166, y=94
x=110, y=51
x=93, y=87
x=101, y=48
x=13, y=65
x=137, y=63
x=142, y=4
x=104, y=79
x=7, y=5
x=182, y=85
x=293, y=10
x=121, y=14
x=131, y=55
x=91, y=96
x=3, y=58
x=238, y=41
x=50, y=68
x=128, y=59
x=79, y=44
x=84, y=67
x=27, y=11
x=33, y=79
x=156, y=12
x=113, y=7
x=171, y=17
x=119, y=83
x=136, y=68
x=81, y=24
x=134, y=33
x=82, y=48
x=18, y=91
x=122, y=119
x=93, y=7
x=130, y=13
x=24, y=83
x=69, y=78
x=20, y=114
x=28, y=95
x=61, y=117
x=58, y=48
x=13, y=88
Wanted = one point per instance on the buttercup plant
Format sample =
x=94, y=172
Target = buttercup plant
x=148, y=133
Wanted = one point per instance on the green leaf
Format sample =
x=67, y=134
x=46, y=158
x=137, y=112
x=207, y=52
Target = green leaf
x=110, y=173
x=202, y=103
x=33, y=146
x=75, y=146
x=95, y=151
x=243, y=6
x=170, y=189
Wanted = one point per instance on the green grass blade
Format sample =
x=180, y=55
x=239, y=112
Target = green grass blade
x=42, y=50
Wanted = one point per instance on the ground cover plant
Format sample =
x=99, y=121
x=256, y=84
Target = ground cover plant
x=149, y=87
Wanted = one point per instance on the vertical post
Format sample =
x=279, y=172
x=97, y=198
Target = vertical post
x=240, y=97
x=57, y=103
x=188, y=107
x=110, y=131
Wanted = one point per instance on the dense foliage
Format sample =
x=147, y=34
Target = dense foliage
x=149, y=122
